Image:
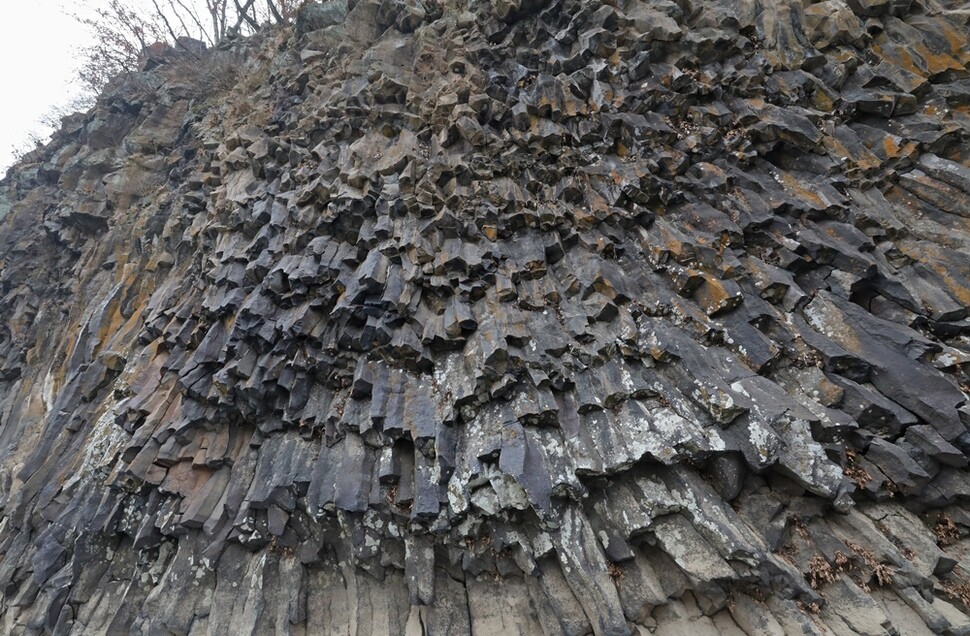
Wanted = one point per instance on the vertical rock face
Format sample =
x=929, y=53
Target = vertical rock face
x=557, y=317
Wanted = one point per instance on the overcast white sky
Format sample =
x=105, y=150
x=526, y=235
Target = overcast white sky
x=38, y=43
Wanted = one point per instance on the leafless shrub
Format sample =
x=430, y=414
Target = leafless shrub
x=945, y=530
x=863, y=568
x=124, y=30
x=615, y=571
x=874, y=568
x=820, y=572
x=957, y=590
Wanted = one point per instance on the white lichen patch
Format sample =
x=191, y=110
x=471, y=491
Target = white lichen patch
x=105, y=442
x=48, y=389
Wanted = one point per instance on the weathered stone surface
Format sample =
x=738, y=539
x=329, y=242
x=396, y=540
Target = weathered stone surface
x=314, y=16
x=515, y=317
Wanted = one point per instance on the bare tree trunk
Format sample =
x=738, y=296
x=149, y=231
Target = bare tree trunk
x=276, y=14
x=161, y=14
x=243, y=14
x=212, y=6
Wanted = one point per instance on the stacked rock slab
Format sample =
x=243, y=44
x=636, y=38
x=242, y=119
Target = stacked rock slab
x=557, y=317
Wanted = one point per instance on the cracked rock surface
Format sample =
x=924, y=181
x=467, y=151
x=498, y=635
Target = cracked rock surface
x=509, y=317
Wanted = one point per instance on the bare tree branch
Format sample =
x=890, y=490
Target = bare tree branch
x=243, y=14
x=276, y=14
x=160, y=14
x=211, y=38
x=185, y=28
x=175, y=38
x=122, y=29
x=215, y=7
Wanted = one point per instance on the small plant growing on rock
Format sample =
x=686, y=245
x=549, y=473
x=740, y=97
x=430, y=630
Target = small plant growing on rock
x=957, y=590
x=860, y=476
x=945, y=530
x=616, y=572
x=842, y=562
x=126, y=31
x=812, y=608
x=820, y=572
x=882, y=572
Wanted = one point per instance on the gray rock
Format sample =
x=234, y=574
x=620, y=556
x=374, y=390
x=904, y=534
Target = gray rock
x=512, y=317
x=313, y=16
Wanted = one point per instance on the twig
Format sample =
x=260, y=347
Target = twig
x=168, y=26
x=195, y=18
x=244, y=15
x=276, y=14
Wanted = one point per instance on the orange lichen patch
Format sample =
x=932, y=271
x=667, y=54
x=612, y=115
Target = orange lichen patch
x=864, y=160
x=107, y=328
x=957, y=40
x=917, y=59
x=678, y=249
x=949, y=273
x=958, y=291
x=183, y=479
x=890, y=146
x=830, y=231
x=700, y=239
x=795, y=187
x=757, y=104
x=822, y=101
x=895, y=148
x=121, y=329
x=716, y=297
x=900, y=57
x=942, y=63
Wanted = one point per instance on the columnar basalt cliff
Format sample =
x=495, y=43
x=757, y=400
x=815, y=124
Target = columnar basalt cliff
x=521, y=317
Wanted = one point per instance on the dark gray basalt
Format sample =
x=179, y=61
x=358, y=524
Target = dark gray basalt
x=557, y=317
